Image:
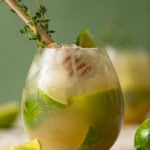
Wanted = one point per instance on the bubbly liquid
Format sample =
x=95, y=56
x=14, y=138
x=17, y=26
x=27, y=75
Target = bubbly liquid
x=83, y=124
x=72, y=112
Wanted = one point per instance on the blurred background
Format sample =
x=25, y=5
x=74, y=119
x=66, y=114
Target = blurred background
x=123, y=27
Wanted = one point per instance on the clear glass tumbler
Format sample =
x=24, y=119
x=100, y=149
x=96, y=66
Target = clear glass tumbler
x=72, y=99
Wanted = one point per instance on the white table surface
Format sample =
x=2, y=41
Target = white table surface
x=16, y=134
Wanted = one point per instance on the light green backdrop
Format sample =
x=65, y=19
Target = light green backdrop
x=125, y=21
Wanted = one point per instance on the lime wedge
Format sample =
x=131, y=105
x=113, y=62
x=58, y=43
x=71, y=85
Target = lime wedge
x=102, y=107
x=49, y=100
x=92, y=137
x=35, y=109
x=85, y=39
x=142, y=136
x=95, y=100
x=8, y=114
x=97, y=105
x=32, y=145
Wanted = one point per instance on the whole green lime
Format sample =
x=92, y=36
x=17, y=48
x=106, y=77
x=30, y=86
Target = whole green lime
x=142, y=136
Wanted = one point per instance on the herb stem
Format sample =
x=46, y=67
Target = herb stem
x=35, y=28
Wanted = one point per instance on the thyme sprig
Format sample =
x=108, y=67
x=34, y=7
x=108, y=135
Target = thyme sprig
x=37, y=19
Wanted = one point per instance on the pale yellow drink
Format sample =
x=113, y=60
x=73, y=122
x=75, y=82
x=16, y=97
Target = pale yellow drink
x=72, y=112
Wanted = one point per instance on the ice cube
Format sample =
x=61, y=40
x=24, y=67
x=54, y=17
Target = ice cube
x=53, y=78
x=55, y=81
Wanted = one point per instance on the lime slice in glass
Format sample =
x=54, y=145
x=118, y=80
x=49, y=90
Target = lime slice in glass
x=98, y=106
x=32, y=145
x=8, y=113
x=85, y=39
x=95, y=102
x=36, y=110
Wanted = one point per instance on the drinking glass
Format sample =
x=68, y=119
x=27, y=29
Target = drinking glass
x=72, y=99
x=133, y=69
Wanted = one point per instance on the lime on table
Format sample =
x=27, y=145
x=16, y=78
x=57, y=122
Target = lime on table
x=8, y=114
x=31, y=145
x=85, y=39
x=142, y=136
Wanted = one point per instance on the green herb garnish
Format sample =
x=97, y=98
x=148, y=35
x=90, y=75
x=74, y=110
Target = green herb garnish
x=38, y=19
